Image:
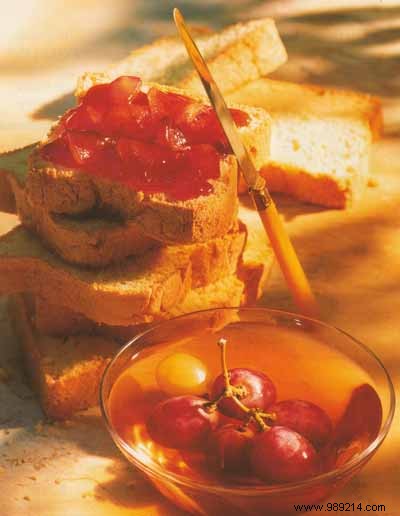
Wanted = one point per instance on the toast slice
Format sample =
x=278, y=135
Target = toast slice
x=235, y=55
x=229, y=291
x=320, y=139
x=66, y=190
x=134, y=291
x=84, y=240
x=65, y=372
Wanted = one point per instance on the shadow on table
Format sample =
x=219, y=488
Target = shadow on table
x=367, y=60
x=53, y=109
x=336, y=256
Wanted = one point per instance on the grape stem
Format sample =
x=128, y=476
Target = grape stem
x=235, y=393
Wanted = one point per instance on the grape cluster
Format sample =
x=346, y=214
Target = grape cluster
x=239, y=425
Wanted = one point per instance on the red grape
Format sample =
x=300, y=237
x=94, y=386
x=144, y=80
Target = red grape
x=182, y=422
x=304, y=417
x=230, y=446
x=258, y=391
x=282, y=455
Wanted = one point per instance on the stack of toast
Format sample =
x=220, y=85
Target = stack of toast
x=96, y=260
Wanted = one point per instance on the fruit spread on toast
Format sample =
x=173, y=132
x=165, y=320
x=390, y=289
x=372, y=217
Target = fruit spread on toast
x=152, y=142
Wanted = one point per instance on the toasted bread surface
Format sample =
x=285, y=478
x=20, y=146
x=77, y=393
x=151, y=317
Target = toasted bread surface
x=320, y=139
x=86, y=241
x=65, y=373
x=131, y=292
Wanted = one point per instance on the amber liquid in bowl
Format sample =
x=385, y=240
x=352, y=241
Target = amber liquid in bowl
x=301, y=364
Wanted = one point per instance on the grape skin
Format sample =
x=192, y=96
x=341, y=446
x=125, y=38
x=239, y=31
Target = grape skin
x=182, y=422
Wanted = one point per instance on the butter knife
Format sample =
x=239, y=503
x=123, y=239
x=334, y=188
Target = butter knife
x=284, y=251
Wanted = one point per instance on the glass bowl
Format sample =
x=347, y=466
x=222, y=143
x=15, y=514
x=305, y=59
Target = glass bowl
x=304, y=357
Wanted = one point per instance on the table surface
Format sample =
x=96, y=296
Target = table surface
x=352, y=257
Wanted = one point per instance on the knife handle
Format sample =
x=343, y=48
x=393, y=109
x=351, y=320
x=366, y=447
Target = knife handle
x=285, y=253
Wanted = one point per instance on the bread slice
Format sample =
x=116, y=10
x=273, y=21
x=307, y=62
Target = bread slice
x=69, y=191
x=65, y=372
x=134, y=291
x=73, y=192
x=236, y=55
x=320, y=139
x=60, y=321
x=88, y=241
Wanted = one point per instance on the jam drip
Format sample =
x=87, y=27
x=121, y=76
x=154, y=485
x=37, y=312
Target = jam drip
x=154, y=142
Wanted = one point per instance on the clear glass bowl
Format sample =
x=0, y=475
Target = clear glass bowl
x=290, y=340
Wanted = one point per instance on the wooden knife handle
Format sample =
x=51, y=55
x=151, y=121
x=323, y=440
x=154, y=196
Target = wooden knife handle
x=285, y=254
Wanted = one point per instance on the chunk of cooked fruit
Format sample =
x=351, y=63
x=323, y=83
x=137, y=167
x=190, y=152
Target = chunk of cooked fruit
x=304, y=417
x=122, y=90
x=182, y=422
x=199, y=124
x=283, y=455
x=57, y=151
x=84, y=147
x=182, y=373
x=154, y=142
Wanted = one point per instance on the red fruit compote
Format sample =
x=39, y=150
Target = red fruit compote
x=244, y=411
x=145, y=138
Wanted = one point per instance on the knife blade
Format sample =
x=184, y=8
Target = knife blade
x=281, y=244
